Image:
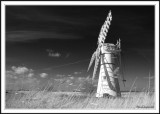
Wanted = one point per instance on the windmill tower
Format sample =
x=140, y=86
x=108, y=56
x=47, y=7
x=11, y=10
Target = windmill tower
x=108, y=55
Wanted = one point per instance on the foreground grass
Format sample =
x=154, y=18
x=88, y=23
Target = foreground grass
x=61, y=100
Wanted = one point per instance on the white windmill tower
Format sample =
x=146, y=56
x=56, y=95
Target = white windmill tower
x=108, y=55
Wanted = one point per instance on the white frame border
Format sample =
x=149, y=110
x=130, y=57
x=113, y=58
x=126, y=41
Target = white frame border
x=115, y=3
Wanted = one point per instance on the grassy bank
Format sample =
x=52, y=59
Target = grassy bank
x=73, y=100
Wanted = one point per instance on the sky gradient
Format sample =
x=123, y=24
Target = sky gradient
x=50, y=39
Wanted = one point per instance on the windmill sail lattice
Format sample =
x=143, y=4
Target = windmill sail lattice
x=101, y=39
x=107, y=55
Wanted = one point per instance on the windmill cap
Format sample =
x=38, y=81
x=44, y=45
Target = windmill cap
x=108, y=44
x=109, y=47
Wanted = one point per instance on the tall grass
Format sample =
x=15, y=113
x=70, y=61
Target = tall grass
x=46, y=98
x=80, y=101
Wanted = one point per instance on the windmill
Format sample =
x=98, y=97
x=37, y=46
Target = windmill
x=108, y=55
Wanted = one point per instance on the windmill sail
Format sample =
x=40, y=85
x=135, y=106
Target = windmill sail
x=104, y=29
x=101, y=40
x=92, y=59
x=96, y=64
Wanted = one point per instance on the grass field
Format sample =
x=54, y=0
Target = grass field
x=76, y=100
x=49, y=97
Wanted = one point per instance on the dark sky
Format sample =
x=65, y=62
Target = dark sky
x=71, y=32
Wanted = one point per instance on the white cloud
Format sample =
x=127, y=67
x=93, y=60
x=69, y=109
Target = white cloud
x=77, y=72
x=16, y=83
x=71, y=84
x=80, y=78
x=69, y=75
x=54, y=54
x=20, y=70
x=60, y=75
x=20, y=77
x=31, y=80
x=51, y=53
x=30, y=74
x=10, y=74
x=68, y=81
x=43, y=75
